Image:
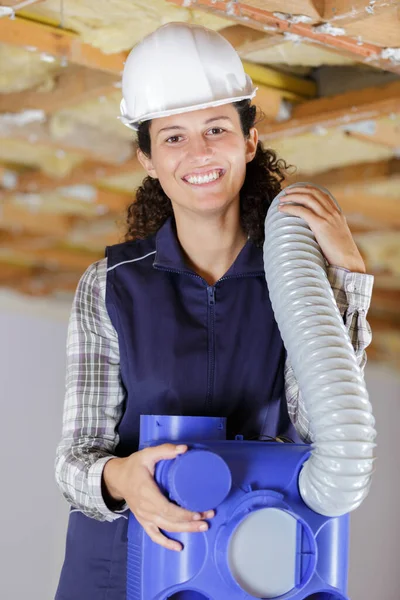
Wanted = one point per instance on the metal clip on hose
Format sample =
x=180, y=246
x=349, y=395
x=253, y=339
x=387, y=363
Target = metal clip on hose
x=337, y=476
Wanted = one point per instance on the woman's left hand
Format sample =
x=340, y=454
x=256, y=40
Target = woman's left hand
x=328, y=224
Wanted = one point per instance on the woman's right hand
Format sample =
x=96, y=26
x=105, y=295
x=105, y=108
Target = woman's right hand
x=132, y=479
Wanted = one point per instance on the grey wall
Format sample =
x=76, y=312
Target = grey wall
x=33, y=513
x=375, y=533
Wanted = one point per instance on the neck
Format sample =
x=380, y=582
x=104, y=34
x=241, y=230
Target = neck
x=210, y=245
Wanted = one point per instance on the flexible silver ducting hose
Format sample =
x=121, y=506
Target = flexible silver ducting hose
x=337, y=476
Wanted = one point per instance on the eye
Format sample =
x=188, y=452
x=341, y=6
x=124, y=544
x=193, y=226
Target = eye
x=173, y=139
x=216, y=130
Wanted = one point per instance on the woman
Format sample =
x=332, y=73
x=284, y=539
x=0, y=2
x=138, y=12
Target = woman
x=177, y=319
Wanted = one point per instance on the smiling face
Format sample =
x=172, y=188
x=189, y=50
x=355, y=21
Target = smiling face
x=200, y=159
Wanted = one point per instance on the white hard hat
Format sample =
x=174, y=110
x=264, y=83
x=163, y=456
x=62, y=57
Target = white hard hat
x=179, y=68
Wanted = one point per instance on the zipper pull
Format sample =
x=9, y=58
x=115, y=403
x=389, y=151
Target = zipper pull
x=211, y=294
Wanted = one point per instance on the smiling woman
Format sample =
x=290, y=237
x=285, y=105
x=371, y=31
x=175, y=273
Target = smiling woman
x=216, y=155
x=177, y=320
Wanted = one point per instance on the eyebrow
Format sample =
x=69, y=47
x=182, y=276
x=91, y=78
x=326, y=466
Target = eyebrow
x=174, y=127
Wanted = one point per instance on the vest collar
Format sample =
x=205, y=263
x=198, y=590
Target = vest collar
x=169, y=255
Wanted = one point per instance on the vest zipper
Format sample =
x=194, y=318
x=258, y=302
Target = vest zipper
x=211, y=323
x=211, y=346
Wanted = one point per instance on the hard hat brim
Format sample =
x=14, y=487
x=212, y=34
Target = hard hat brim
x=135, y=123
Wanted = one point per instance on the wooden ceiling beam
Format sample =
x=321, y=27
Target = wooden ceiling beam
x=335, y=111
x=58, y=42
x=253, y=15
x=74, y=85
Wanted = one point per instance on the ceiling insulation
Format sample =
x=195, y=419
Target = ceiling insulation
x=50, y=161
x=61, y=139
x=50, y=202
x=95, y=235
x=297, y=53
x=326, y=149
x=21, y=69
x=101, y=113
x=389, y=188
x=115, y=25
x=383, y=30
x=381, y=249
x=125, y=182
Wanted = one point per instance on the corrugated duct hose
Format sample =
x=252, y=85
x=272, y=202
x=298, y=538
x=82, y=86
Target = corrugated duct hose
x=337, y=476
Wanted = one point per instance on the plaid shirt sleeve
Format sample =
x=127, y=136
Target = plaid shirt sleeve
x=352, y=292
x=93, y=400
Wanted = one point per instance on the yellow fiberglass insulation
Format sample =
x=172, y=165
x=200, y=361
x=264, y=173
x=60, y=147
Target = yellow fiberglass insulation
x=115, y=25
x=53, y=163
x=102, y=113
x=21, y=69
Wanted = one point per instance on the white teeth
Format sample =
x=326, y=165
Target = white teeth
x=198, y=180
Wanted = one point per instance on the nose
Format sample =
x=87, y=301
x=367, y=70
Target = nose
x=199, y=149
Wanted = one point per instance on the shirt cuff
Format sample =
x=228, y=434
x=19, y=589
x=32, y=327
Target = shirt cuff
x=95, y=478
x=356, y=286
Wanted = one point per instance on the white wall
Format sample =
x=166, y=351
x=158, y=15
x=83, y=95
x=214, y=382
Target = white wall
x=33, y=513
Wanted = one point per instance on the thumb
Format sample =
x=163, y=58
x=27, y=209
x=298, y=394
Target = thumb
x=163, y=452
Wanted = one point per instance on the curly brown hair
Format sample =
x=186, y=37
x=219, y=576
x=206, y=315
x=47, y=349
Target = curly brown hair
x=264, y=175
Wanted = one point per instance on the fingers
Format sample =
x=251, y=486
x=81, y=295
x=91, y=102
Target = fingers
x=176, y=527
x=154, y=502
x=304, y=212
x=154, y=454
x=314, y=199
x=155, y=534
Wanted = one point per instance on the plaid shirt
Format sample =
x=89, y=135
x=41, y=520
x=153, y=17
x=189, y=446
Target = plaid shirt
x=95, y=395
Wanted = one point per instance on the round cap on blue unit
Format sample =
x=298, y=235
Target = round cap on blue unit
x=199, y=480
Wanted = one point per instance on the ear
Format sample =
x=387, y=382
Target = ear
x=146, y=163
x=251, y=144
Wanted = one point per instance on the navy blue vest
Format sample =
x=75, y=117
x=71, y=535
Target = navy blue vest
x=186, y=348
